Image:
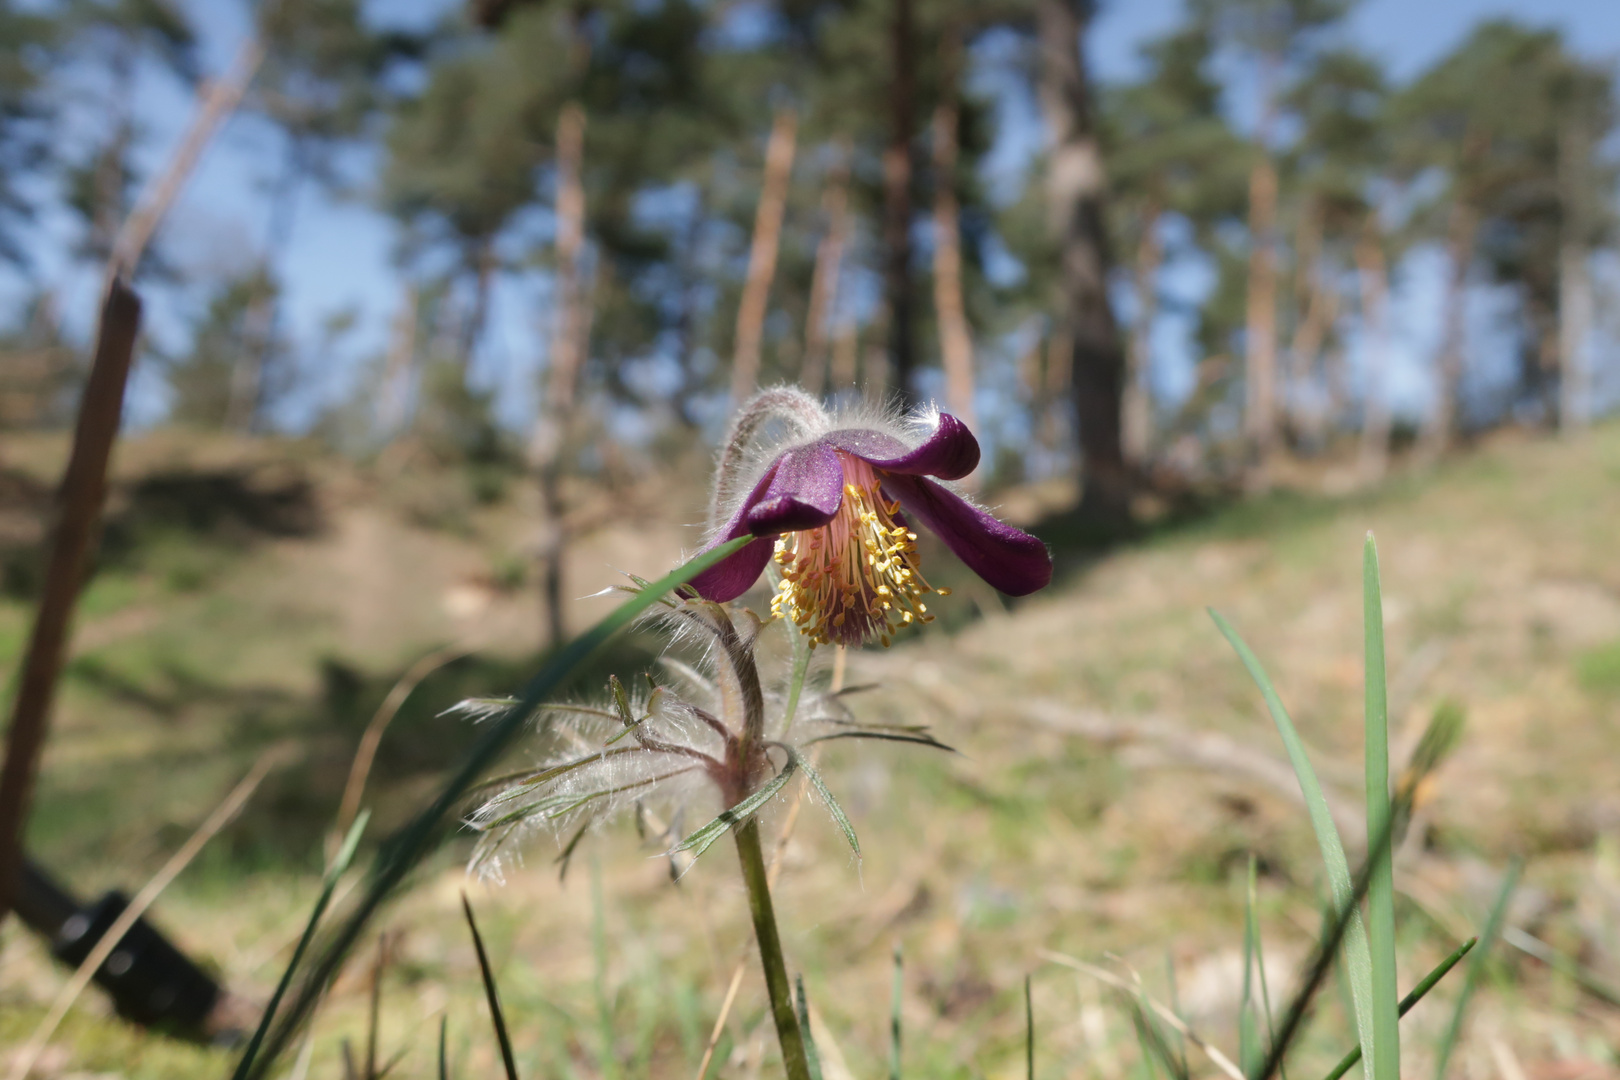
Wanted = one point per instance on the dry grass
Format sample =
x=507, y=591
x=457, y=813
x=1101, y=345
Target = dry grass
x=1502, y=590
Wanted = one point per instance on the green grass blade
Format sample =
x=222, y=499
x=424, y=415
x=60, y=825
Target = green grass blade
x=1476, y=966
x=894, y=1014
x=1029, y=1030
x=490, y=992
x=1357, y=954
x=1386, y=1062
x=1418, y=992
x=812, y=1057
x=411, y=843
x=1260, y=960
x=340, y=865
x=1248, y=1034
x=444, y=1053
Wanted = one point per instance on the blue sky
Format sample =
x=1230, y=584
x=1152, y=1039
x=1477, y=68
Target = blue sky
x=339, y=258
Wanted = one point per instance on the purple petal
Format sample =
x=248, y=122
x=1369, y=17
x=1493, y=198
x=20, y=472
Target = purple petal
x=950, y=452
x=1009, y=559
x=804, y=492
x=802, y=489
x=735, y=574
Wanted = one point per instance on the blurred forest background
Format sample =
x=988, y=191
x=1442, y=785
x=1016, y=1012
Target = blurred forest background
x=443, y=331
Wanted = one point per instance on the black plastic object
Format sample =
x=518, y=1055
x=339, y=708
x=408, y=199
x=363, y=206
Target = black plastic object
x=150, y=981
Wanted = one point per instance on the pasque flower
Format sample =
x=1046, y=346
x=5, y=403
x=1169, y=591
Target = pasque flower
x=832, y=498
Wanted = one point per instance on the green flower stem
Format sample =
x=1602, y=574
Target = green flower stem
x=752, y=857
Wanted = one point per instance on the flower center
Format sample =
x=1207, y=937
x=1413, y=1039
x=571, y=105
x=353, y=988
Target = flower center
x=854, y=579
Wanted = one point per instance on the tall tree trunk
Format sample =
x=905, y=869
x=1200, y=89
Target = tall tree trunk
x=479, y=257
x=1441, y=431
x=762, y=256
x=1373, y=270
x=955, y=337
x=846, y=356
x=1574, y=282
x=567, y=349
x=1059, y=384
x=259, y=331
x=1320, y=305
x=897, y=170
x=1138, y=408
x=1076, y=190
x=394, y=393
x=1260, y=337
x=824, y=280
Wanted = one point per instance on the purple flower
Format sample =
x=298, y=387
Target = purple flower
x=834, y=502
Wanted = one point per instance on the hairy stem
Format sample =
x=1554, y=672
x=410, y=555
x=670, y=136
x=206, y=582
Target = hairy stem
x=770, y=950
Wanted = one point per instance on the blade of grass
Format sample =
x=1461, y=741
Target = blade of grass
x=338, y=867
x=1103, y=975
x=1476, y=966
x=1386, y=1062
x=607, y=1060
x=1029, y=1030
x=375, y=1011
x=1357, y=953
x=1175, y=1007
x=894, y=1015
x=490, y=992
x=1322, y=962
x=444, y=1056
x=1260, y=959
x=1248, y=1035
x=1429, y=982
x=1562, y=964
x=812, y=1058
x=411, y=843
x=1152, y=1040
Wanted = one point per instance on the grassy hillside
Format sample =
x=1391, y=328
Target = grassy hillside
x=1116, y=769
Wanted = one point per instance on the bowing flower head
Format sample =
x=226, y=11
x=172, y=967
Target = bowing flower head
x=833, y=500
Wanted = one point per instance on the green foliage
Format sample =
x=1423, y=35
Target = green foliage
x=1598, y=670
x=204, y=381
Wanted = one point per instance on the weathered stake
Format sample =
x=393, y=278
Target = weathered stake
x=79, y=504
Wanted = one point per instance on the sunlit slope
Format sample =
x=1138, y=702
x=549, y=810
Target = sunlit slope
x=1115, y=772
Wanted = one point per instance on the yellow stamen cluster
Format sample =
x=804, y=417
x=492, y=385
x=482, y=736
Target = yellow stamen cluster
x=856, y=578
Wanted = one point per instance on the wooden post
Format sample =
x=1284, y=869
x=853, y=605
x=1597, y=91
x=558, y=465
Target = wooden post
x=79, y=504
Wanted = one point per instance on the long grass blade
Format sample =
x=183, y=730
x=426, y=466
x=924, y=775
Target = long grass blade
x=411, y=843
x=1418, y=992
x=1357, y=953
x=1476, y=966
x=444, y=1054
x=1260, y=960
x=1029, y=1030
x=894, y=1014
x=1326, y=948
x=1248, y=1030
x=1562, y=964
x=811, y=1057
x=491, y=993
x=339, y=867
x=1386, y=1062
